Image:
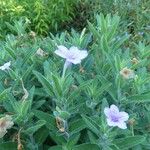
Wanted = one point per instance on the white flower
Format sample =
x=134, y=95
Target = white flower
x=5, y=123
x=6, y=66
x=72, y=55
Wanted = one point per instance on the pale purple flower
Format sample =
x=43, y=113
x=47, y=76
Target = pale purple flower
x=72, y=55
x=6, y=66
x=116, y=118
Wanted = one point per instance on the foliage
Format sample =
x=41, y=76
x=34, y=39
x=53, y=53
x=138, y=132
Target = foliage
x=42, y=15
x=55, y=112
x=134, y=14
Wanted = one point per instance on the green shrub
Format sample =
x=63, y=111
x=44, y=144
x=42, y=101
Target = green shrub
x=53, y=109
x=134, y=14
x=43, y=15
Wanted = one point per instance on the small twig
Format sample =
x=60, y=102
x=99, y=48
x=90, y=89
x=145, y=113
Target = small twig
x=20, y=146
x=26, y=94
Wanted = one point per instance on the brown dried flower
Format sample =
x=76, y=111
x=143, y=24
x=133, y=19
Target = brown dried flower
x=41, y=53
x=127, y=73
x=60, y=124
x=32, y=34
x=5, y=123
x=134, y=61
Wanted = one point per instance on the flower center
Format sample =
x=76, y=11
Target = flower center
x=71, y=56
x=115, y=118
x=126, y=72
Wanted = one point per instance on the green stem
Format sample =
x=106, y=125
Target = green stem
x=66, y=65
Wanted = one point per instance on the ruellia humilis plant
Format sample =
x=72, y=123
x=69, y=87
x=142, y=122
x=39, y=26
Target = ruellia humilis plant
x=75, y=91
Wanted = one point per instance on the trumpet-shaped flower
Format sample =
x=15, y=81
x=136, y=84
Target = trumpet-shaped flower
x=72, y=55
x=5, y=123
x=116, y=118
x=6, y=66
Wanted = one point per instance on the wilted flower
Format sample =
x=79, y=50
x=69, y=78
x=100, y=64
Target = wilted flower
x=134, y=61
x=6, y=66
x=72, y=55
x=131, y=122
x=116, y=118
x=60, y=124
x=127, y=73
x=32, y=34
x=5, y=123
x=41, y=53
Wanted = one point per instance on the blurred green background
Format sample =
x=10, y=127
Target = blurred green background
x=46, y=16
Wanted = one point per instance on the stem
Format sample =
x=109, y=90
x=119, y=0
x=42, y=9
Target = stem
x=132, y=130
x=20, y=146
x=66, y=65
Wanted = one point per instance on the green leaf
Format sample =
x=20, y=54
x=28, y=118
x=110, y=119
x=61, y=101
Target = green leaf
x=24, y=107
x=55, y=148
x=8, y=146
x=57, y=84
x=86, y=147
x=117, y=44
x=111, y=89
x=77, y=126
x=27, y=72
x=4, y=94
x=29, y=54
x=10, y=51
x=103, y=24
x=104, y=87
x=91, y=124
x=139, y=98
x=41, y=135
x=93, y=30
x=35, y=127
x=92, y=137
x=129, y=142
x=64, y=115
x=73, y=140
x=104, y=104
x=58, y=138
x=114, y=26
x=50, y=120
x=104, y=44
x=38, y=104
x=46, y=84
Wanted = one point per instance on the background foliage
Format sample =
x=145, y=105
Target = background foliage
x=45, y=16
x=42, y=15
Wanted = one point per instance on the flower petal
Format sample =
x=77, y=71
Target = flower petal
x=107, y=112
x=83, y=54
x=122, y=125
x=62, y=51
x=124, y=116
x=114, y=109
x=74, y=61
x=74, y=49
x=111, y=123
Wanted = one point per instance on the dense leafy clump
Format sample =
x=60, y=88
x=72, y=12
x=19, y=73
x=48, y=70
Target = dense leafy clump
x=46, y=16
x=42, y=15
x=95, y=97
